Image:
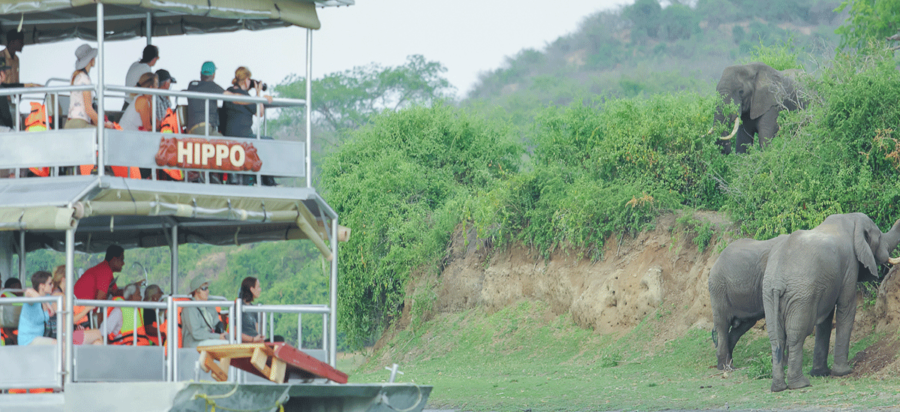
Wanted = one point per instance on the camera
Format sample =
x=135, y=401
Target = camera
x=253, y=84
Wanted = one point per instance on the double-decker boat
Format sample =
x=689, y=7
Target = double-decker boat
x=69, y=212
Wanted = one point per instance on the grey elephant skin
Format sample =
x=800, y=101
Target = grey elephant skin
x=761, y=92
x=810, y=280
x=735, y=293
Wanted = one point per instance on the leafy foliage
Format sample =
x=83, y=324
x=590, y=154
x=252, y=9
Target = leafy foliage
x=870, y=20
x=398, y=183
x=347, y=100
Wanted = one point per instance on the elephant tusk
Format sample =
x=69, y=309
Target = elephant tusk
x=709, y=132
x=894, y=261
x=737, y=123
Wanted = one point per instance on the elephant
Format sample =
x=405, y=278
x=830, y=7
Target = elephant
x=735, y=293
x=761, y=92
x=810, y=280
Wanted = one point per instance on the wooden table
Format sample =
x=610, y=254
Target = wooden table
x=274, y=361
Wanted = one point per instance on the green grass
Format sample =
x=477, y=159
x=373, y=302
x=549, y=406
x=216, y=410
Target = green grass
x=523, y=357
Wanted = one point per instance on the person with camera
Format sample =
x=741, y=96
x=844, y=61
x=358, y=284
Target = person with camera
x=201, y=326
x=239, y=115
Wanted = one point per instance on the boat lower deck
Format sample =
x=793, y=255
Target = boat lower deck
x=201, y=396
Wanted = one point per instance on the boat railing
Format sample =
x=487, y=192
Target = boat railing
x=33, y=366
x=261, y=156
x=157, y=306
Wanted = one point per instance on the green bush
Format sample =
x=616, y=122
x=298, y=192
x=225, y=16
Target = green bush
x=397, y=183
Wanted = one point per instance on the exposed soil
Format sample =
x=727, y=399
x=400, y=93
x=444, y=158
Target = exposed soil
x=659, y=269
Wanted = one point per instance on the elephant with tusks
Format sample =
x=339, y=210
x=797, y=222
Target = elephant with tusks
x=810, y=281
x=761, y=92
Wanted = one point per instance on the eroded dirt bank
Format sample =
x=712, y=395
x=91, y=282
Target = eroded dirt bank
x=660, y=269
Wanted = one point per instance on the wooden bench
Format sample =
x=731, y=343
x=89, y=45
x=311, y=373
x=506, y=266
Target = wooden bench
x=276, y=362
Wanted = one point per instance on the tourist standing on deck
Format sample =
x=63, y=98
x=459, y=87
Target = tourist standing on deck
x=137, y=116
x=196, y=113
x=239, y=115
x=162, y=102
x=199, y=325
x=15, y=41
x=137, y=69
x=81, y=110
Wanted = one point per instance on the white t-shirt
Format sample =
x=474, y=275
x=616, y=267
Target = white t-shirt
x=134, y=75
x=76, y=101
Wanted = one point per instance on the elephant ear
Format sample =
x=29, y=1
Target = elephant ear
x=764, y=89
x=861, y=245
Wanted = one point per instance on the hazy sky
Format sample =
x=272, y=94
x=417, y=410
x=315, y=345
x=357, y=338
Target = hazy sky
x=467, y=36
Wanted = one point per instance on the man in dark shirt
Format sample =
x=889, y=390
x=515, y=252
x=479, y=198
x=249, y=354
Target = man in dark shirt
x=6, y=117
x=196, y=121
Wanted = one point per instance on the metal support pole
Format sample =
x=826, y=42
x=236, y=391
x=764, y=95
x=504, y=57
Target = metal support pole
x=171, y=319
x=101, y=85
x=22, y=257
x=332, y=341
x=299, y=331
x=309, y=108
x=149, y=28
x=238, y=320
x=70, y=300
x=174, y=249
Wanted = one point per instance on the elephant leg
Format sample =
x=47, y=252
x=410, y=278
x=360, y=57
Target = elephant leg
x=734, y=335
x=775, y=327
x=796, y=334
x=820, y=354
x=846, y=312
x=723, y=353
x=767, y=126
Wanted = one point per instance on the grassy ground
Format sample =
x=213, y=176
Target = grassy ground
x=523, y=358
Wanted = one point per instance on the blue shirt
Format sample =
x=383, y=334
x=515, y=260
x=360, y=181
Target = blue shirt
x=31, y=322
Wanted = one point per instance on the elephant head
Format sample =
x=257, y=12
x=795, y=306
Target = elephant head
x=760, y=92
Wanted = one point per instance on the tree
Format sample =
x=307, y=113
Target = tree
x=348, y=99
x=869, y=20
x=646, y=16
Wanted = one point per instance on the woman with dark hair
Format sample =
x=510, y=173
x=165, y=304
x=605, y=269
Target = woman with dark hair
x=250, y=290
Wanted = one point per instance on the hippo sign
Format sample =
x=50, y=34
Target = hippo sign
x=215, y=154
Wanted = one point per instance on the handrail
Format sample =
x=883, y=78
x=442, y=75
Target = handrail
x=60, y=320
x=276, y=102
x=44, y=90
x=299, y=309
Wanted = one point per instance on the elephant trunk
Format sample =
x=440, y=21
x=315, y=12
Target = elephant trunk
x=721, y=118
x=891, y=239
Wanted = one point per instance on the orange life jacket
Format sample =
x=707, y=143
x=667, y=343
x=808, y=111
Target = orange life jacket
x=37, y=122
x=170, y=125
x=165, y=324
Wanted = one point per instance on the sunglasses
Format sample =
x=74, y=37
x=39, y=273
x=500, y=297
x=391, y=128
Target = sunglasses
x=204, y=287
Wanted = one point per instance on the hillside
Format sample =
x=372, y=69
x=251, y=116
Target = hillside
x=645, y=48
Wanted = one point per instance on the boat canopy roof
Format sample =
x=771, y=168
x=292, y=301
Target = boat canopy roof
x=48, y=21
x=136, y=213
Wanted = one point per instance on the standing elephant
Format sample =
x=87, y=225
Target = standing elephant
x=761, y=92
x=735, y=293
x=810, y=280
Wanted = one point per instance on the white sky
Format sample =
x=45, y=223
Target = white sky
x=466, y=36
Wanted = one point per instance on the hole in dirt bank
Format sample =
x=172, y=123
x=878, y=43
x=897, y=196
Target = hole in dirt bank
x=875, y=357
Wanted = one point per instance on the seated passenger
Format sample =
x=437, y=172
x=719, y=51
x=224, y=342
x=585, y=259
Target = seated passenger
x=120, y=322
x=239, y=115
x=250, y=290
x=12, y=283
x=153, y=293
x=10, y=320
x=34, y=317
x=196, y=116
x=137, y=116
x=81, y=110
x=162, y=102
x=200, y=326
x=59, y=289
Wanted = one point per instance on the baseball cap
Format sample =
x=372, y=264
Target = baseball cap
x=208, y=69
x=164, y=75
